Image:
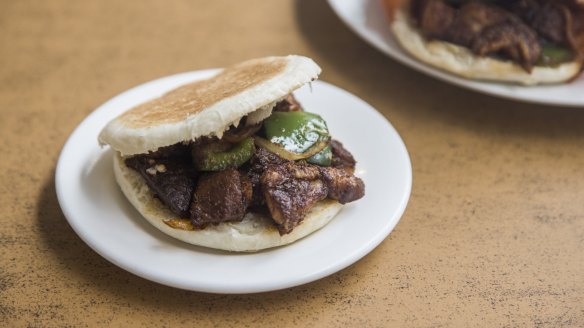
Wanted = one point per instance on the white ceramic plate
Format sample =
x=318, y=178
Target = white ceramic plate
x=367, y=19
x=100, y=214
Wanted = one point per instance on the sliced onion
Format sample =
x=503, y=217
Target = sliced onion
x=238, y=134
x=289, y=155
x=180, y=224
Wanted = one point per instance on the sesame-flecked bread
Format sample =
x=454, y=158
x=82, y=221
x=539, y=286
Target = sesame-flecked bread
x=461, y=61
x=208, y=107
x=255, y=232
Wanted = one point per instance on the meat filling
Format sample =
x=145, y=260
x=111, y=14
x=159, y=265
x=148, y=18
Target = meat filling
x=267, y=183
x=557, y=21
x=172, y=179
x=342, y=158
x=288, y=104
x=288, y=189
x=515, y=41
x=514, y=30
x=341, y=185
x=220, y=197
x=292, y=189
x=260, y=161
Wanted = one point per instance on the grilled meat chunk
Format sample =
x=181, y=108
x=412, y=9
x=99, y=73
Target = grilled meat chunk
x=486, y=29
x=342, y=185
x=556, y=21
x=551, y=21
x=515, y=41
x=473, y=18
x=525, y=9
x=260, y=161
x=291, y=190
x=220, y=196
x=171, y=179
x=439, y=20
x=434, y=18
x=342, y=158
x=288, y=104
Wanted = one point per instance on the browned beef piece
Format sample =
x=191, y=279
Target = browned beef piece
x=473, y=18
x=342, y=185
x=550, y=22
x=242, y=131
x=288, y=104
x=516, y=41
x=553, y=20
x=260, y=161
x=546, y=17
x=561, y=23
x=525, y=9
x=434, y=18
x=438, y=19
x=342, y=158
x=291, y=190
x=486, y=29
x=220, y=196
x=171, y=179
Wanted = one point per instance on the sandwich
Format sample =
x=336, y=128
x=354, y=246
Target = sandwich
x=517, y=41
x=234, y=162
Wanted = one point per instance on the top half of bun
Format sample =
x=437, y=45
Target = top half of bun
x=208, y=107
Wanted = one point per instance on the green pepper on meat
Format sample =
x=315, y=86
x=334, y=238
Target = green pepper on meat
x=214, y=157
x=298, y=132
x=554, y=55
x=324, y=158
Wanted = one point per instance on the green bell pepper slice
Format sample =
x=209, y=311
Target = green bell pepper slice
x=324, y=158
x=297, y=132
x=209, y=159
x=552, y=55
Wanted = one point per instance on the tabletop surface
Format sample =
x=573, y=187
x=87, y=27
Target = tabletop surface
x=493, y=235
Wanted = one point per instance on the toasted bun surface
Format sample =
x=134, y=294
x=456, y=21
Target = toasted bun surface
x=255, y=232
x=208, y=107
x=461, y=61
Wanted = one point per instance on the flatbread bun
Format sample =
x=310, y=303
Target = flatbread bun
x=254, y=233
x=209, y=107
x=461, y=61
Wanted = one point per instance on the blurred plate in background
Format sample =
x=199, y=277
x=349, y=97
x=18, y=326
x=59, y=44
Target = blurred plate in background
x=367, y=18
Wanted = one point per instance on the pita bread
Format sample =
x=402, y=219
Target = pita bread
x=461, y=61
x=255, y=232
x=208, y=107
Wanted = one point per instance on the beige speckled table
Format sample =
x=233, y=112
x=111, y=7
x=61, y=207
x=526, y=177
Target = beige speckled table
x=493, y=235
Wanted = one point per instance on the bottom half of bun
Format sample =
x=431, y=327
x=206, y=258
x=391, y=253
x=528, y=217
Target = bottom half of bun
x=463, y=62
x=254, y=233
